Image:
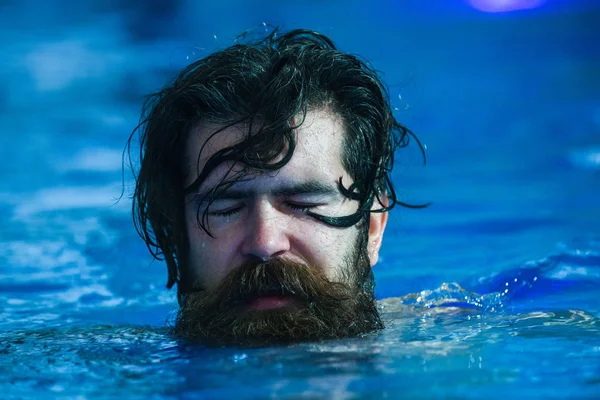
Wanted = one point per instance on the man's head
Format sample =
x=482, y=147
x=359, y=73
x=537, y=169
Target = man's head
x=264, y=183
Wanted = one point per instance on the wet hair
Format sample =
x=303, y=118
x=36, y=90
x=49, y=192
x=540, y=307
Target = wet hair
x=267, y=86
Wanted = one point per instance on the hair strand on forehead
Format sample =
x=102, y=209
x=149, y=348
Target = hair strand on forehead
x=263, y=85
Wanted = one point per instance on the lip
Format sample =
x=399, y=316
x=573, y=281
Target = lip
x=270, y=298
x=270, y=302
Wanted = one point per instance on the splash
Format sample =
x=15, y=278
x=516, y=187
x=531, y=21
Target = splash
x=452, y=295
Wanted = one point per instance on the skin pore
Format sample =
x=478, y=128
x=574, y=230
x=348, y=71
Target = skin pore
x=264, y=216
x=270, y=272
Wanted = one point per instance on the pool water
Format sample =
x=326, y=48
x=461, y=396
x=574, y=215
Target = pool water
x=492, y=292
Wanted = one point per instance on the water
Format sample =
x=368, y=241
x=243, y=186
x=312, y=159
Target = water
x=491, y=292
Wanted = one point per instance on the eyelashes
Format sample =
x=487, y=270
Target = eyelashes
x=300, y=208
x=225, y=214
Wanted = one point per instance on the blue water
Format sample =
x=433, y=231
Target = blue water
x=492, y=292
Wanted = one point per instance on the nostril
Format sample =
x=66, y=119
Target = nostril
x=257, y=260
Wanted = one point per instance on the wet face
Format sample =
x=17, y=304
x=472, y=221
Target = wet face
x=267, y=260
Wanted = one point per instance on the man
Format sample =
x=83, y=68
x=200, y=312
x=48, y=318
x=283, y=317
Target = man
x=265, y=185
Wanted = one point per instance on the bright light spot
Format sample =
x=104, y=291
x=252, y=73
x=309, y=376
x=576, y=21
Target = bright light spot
x=239, y=357
x=504, y=5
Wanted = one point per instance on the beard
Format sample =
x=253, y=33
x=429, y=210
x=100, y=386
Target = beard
x=316, y=307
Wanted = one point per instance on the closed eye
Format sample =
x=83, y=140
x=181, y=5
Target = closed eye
x=225, y=213
x=302, y=207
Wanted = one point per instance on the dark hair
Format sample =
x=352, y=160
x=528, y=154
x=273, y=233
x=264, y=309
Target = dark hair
x=263, y=84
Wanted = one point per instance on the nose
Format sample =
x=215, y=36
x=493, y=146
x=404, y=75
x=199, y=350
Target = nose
x=266, y=234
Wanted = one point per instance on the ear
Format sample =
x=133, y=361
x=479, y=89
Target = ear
x=377, y=223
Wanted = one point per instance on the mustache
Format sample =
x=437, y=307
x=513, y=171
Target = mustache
x=276, y=277
x=320, y=307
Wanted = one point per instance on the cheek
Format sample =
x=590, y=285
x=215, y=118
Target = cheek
x=327, y=248
x=209, y=258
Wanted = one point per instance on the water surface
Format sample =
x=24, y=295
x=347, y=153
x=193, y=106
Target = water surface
x=492, y=292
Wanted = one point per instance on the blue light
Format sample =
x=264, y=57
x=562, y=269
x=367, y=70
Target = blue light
x=504, y=5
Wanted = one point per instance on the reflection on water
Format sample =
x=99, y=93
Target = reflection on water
x=418, y=353
x=508, y=107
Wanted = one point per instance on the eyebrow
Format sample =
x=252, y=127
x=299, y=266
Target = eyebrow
x=311, y=187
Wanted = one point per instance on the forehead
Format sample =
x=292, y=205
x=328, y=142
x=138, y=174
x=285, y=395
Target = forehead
x=318, y=146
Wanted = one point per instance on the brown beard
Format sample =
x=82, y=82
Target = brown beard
x=320, y=309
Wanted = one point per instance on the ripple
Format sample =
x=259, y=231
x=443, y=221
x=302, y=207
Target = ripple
x=73, y=197
x=588, y=158
x=97, y=159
